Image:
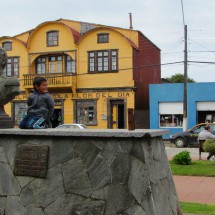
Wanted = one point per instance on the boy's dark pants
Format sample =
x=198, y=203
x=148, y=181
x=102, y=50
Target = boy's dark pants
x=28, y=121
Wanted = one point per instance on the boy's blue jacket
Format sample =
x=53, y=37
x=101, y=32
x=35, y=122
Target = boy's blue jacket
x=41, y=104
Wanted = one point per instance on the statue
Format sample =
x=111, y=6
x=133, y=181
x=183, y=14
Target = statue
x=9, y=88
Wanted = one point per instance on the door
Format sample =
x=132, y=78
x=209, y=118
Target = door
x=117, y=114
x=56, y=118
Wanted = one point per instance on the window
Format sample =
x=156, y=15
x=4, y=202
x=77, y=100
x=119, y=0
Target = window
x=70, y=64
x=55, y=64
x=171, y=114
x=103, y=61
x=86, y=27
x=41, y=65
x=86, y=112
x=19, y=110
x=198, y=129
x=171, y=120
x=7, y=46
x=103, y=38
x=12, y=67
x=52, y=38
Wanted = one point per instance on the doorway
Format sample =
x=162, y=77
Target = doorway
x=116, y=114
x=56, y=118
x=206, y=116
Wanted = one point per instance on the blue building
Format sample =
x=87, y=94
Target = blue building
x=166, y=105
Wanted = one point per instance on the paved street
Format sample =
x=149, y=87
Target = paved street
x=194, y=152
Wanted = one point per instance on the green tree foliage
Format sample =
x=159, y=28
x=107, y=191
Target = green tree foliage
x=179, y=78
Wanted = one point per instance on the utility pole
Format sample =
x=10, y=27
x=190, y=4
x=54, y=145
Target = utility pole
x=185, y=81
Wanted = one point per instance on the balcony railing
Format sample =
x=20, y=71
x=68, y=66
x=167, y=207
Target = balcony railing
x=57, y=80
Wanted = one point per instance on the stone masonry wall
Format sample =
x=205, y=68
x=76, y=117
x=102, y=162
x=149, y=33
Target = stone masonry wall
x=89, y=173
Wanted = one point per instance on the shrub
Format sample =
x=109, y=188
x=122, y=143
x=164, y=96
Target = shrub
x=209, y=146
x=182, y=158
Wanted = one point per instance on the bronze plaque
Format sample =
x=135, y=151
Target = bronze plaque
x=31, y=160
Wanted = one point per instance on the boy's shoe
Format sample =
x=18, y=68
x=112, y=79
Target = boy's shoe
x=208, y=158
x=212, y=159
x=37, y=124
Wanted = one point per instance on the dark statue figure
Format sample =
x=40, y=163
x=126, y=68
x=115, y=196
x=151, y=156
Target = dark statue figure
x=9, y=88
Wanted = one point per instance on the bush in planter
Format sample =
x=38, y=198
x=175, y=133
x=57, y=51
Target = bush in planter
x=182, y=158
x=209, y=146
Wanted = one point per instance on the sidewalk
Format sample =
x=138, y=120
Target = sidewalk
x=195, y=189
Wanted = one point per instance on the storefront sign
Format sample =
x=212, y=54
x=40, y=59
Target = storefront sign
x=31, y=160
x=102, y=95
x=21, y=97
x=82, y=95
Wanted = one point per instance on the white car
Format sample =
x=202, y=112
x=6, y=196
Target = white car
x=72, y=126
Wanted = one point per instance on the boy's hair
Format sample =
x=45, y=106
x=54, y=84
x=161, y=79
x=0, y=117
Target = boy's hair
x=38, y=81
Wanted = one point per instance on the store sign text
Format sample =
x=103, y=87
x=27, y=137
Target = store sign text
x=101, y=95
x=82, y=95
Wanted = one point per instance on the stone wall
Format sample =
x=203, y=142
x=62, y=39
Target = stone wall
x=90, y=172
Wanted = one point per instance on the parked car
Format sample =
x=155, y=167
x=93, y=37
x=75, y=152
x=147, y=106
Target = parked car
x=72, y=126
x=189, y=137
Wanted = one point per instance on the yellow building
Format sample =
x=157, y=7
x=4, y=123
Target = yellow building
x=95, y=73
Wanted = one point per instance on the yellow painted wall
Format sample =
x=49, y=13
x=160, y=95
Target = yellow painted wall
x=19, y=50
x=122, y=78
x=23, y=36
x=132, y=35
x=102, y=104
x=68, y=106
x=73, y=24
x=37, y=41
x=7, y=109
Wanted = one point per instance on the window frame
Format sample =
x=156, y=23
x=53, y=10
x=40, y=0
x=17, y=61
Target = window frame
x=85, y=103
x=37, y=63
x=95, y=61
x=48, y=40
x=101, y=38
x=12, y=63
x=7, y=42
x=56, y=63
x=15, y=106
x=67, y=68
x=53, y=60
x=172, y=123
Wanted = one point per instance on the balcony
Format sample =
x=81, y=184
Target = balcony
x=56, y=80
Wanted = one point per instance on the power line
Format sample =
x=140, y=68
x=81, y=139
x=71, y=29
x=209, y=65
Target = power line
x=210, y=62
x=131, y=68
x=203, y=51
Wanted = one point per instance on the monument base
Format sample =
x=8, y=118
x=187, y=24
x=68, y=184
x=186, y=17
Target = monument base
x=5, y=120
x=85, y=171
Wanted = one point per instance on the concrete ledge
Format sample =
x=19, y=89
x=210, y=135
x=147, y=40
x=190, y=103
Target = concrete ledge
x=138, y=133
x=102, y=172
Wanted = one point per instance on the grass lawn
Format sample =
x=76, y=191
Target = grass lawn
x=197, y=208
x=197, y=168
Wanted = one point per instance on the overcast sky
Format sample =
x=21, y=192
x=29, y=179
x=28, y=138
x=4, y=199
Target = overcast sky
x=160, y=20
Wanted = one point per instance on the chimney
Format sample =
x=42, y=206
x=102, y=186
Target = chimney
x=130, y=16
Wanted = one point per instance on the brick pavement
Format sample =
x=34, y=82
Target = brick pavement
x=195, y=189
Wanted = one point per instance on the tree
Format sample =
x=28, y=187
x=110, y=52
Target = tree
x=179, y=78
